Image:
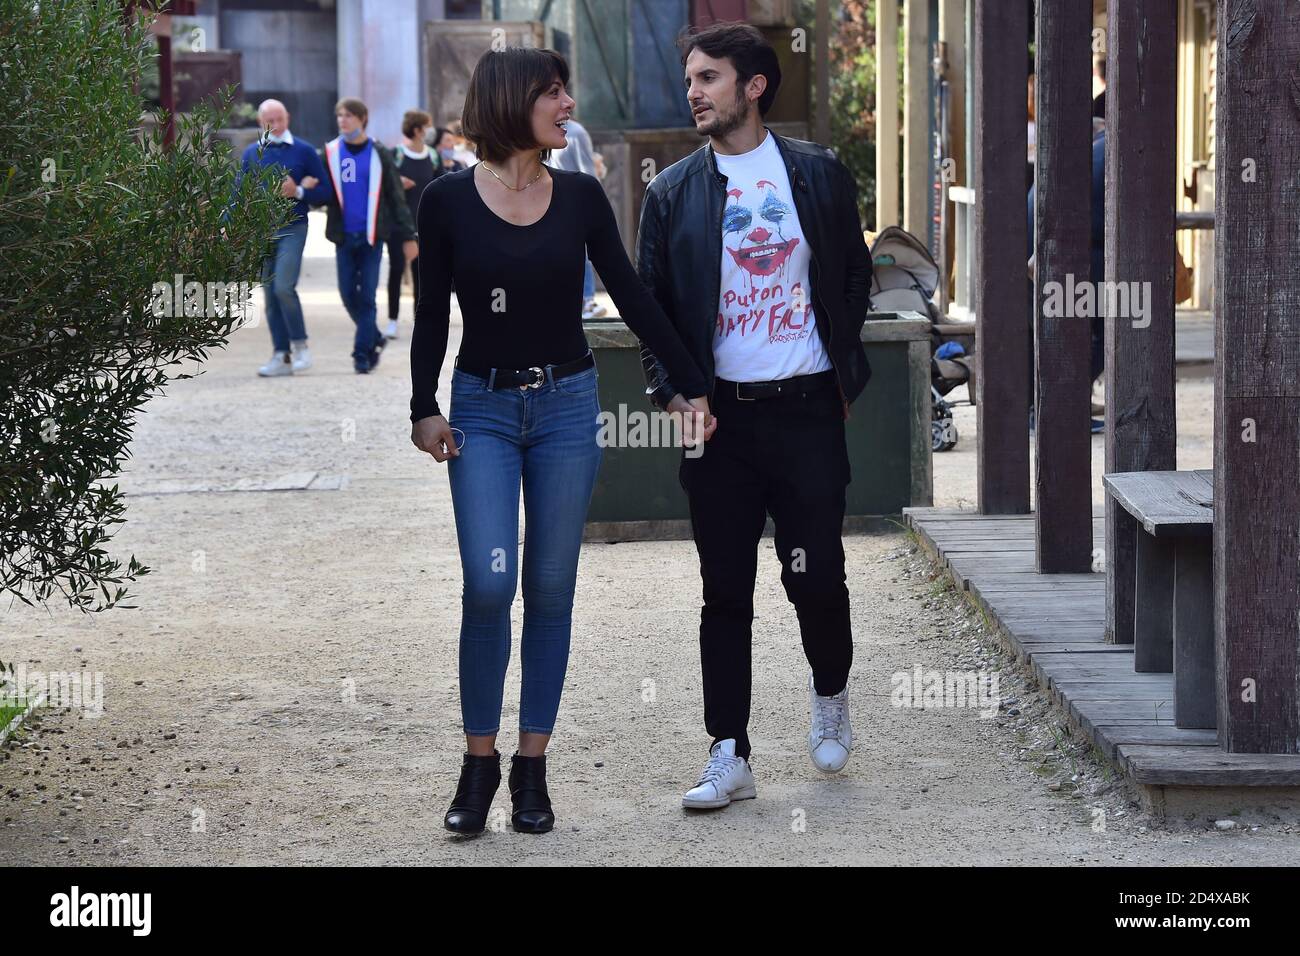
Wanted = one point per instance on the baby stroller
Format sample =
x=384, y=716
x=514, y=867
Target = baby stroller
x=904, y=279
x=950, y=366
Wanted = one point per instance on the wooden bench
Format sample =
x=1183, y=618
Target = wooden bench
x=1172, y=514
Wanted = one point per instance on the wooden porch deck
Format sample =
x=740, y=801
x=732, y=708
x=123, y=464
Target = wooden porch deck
x=1056, y=623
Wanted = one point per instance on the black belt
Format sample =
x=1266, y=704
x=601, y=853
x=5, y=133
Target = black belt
x=795, y=385
x=534, y=377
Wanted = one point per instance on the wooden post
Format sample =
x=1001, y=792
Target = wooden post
x=161, y=30
x=918, y=184
x=1195, y=689
x=1062, y=256
x=1001, y=294
x=167, y=86
x=1153, y=644
x=886, y=113
x=952, y=35
x=822, y=134
x=1257, y=378
x=1141, y=183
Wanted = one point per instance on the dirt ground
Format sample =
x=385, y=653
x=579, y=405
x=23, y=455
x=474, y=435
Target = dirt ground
x=285, y=692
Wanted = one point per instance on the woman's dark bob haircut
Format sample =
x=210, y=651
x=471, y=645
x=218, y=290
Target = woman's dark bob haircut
x=746, y=48
x=498, y=117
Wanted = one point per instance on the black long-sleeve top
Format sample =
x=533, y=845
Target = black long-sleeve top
x=421, y=172
x=520, y=287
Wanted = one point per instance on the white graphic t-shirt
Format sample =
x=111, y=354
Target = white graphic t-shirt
x=765, y=329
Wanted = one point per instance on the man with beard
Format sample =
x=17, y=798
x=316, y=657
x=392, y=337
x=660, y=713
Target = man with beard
x=753, y=247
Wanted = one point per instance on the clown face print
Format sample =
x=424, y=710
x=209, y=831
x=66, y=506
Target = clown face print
x=762, y=251
x=765, y=328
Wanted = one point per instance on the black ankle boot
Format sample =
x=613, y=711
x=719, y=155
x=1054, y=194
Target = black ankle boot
x=532, y=804
x=479, y=779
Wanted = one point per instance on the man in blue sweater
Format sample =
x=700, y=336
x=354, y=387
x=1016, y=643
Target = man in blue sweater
x=303, y=179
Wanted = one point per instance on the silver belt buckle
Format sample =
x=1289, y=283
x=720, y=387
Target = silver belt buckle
x=541, y=378
x=741, y=398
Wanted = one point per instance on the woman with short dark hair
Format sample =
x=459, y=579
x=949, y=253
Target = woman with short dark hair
x=512, y=235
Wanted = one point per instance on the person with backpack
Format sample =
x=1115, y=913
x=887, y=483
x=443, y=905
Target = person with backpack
x=366, y=205
x=417, y=165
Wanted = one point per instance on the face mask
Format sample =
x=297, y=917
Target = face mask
x=447, y=153
x=355, y=135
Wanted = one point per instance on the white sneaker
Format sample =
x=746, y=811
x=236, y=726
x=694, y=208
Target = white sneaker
x=279, y=365
x=726, y=777
x=831, y=737
x=301, y=358
x=391, y=331
x=591, y=309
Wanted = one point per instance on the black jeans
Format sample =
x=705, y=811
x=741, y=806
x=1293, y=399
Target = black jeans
x=786, y=457
x=396, y=266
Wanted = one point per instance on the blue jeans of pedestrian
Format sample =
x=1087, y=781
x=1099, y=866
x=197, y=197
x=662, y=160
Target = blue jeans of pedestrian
x=545, y=440
x=280, y=277
x=358, y=268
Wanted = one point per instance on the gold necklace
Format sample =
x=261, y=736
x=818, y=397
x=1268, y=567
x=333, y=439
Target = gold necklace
x=517, y=189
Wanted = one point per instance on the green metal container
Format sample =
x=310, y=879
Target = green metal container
x=638, y=496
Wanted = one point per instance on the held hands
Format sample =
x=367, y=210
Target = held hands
x=693, y=418
x=433, y=435
x=410, y=249
x=408, y=182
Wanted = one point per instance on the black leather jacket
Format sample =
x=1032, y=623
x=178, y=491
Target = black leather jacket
x=679, y=257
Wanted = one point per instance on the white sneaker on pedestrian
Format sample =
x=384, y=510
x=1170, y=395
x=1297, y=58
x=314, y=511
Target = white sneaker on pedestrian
x=726, y=777
x=831, y=737
x=279, y=365
x=391, y=331
x=301, y=358
x=591, y=309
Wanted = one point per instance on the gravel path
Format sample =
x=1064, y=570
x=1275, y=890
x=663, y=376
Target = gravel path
x=285, y=692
